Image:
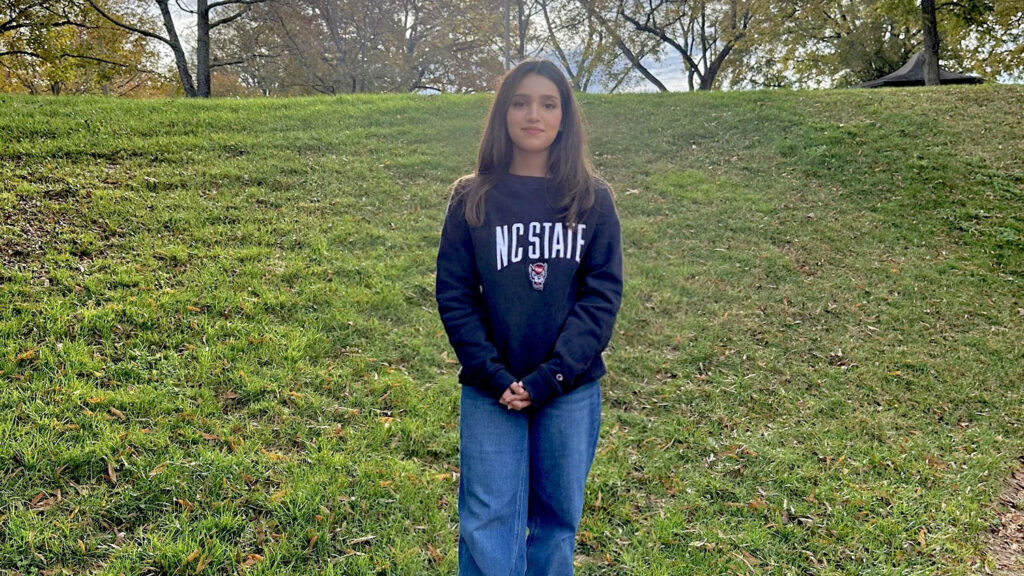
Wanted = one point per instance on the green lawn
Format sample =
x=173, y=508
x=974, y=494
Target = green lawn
x=220, y=352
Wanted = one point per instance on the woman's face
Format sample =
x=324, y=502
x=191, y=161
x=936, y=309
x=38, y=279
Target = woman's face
x=535, y=114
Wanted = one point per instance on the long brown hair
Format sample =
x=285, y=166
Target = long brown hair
x=568, y=158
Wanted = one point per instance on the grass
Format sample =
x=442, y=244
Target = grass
x=220, y=354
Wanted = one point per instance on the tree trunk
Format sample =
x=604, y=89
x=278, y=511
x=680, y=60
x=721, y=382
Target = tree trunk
x=524, y=24
x=508, y=36
x=931, y=43
x=179, y=54
x=707, y=79
x=203, y=48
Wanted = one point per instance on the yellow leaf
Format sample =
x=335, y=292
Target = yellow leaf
x=192, y=309
x=28, y=355
x=193, y=555
x=203, y=563
x=158, y=469
x=118, y=413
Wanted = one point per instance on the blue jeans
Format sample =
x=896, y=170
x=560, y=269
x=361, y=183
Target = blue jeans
x=519, y=471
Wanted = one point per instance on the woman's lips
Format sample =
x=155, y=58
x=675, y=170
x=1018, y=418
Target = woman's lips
x=532, y=130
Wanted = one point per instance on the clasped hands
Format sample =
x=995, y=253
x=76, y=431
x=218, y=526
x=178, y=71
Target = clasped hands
x=515, y=397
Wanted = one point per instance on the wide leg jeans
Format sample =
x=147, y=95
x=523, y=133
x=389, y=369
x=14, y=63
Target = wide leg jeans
x=524, y=471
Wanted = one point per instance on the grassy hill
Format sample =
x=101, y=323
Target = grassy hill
x=220, y=353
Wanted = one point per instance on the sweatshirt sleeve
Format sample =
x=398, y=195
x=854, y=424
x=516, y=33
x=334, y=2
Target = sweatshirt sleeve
x=461, y=306
x=588, y=328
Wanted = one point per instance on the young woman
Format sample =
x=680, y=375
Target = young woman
x=529, y=281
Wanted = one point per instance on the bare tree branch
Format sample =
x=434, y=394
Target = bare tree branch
x=140, y=31
x=231, y=18
x=661, y=35
x=24, y=10
x=633, y=59
x=234, y=2
x=20, y=53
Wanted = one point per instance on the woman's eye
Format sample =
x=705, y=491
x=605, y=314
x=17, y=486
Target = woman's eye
x=550, y=106
x=518, y=104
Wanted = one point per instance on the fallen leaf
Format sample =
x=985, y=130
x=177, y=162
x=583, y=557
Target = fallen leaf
x=193, y=555
x=27, y=355
x=118, y=413
x=185, y=504
x=434, y=554
x=750, y=560
x=111, y=475
x=274, y=455
x=251, y=560
x=160, y=468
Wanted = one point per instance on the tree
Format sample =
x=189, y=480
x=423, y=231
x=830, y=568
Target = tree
x=209, y=16
x=585, y=48
x=62, y=46
x=20, y=18
x=824, y=43
x=703, y=32
x=336, y=46
x=996, y=45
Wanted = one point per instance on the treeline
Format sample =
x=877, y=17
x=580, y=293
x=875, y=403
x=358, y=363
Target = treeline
x=292, y=47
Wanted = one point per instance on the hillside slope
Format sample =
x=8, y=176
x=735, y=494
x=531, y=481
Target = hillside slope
x=219, y=349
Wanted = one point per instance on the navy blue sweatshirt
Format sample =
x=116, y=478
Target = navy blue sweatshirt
x=524, y=296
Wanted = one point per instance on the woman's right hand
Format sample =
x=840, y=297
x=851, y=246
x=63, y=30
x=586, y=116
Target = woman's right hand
x=515, y=397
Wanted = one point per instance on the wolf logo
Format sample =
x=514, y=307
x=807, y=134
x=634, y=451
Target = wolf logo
x=538, y=274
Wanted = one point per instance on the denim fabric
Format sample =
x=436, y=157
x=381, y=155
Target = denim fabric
x=519, y=471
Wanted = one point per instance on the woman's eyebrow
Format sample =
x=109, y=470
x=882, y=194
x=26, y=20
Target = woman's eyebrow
x=525, y=95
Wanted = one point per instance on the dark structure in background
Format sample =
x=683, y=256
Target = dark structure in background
x=912, y=74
